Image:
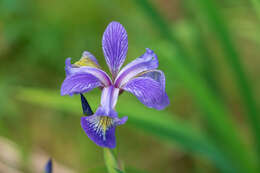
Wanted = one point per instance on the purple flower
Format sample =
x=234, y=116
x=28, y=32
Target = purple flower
x=48, y=166
x=140, y=77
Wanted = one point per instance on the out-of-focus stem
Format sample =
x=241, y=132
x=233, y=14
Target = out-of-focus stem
x=111, y=161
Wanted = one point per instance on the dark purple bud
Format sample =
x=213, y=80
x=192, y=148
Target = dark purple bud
x=85, y=106
x=48, y=166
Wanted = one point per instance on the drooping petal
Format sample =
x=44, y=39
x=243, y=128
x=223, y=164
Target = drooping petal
x=148, y=61
x=115, y=46
x=87, y=59
x=72, y=69
x=148, y=91
x=156, y=75
x=79, y=83
x=101, y=129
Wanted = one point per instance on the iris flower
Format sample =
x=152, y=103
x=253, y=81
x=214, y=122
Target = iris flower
x=140, y=77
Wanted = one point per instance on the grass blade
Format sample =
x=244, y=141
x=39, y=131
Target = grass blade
x=165, y=30
x=218, y=25
x=217, y=115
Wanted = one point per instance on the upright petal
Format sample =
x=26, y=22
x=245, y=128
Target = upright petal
x=148, y=91
x=115, y=46
x=148, y=61
x=79, y=83
x=108, y=99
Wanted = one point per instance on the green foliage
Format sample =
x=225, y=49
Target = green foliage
x=156, y=123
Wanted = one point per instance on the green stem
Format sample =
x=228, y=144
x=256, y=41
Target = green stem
x=111, y=161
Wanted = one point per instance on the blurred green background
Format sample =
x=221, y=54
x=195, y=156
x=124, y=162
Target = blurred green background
x=208, y=49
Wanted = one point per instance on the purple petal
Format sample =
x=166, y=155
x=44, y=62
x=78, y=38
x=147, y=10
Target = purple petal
x=109, y=98
x=102, y=135
x=148, y=61
x=115, y=45
x=98, y=73
x=156, y=75
x=101, y=129
x=148, y=91
x=87, y=59
x=90, y=55
x=104, y=111
x=68, y=66
x=121, y=121
x=79, y=83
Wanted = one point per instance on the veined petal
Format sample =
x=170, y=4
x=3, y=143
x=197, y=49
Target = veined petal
x=79, y=83
x=148, y=91
x=101, y=129
x=115, y=46
x=156, y=75
x=87, y=59
x=98, y=73
x=148, y=61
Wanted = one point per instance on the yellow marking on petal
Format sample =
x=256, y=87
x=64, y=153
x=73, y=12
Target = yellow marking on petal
x=105, y=123
x=101, y=124
x=86, y=61
x=142, y=73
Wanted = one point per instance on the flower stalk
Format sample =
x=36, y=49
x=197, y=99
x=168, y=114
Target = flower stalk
x=110, y=155
x=112, y=162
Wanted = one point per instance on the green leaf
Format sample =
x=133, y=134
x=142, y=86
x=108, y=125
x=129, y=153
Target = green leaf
x=165, y=30
x=218, y=25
